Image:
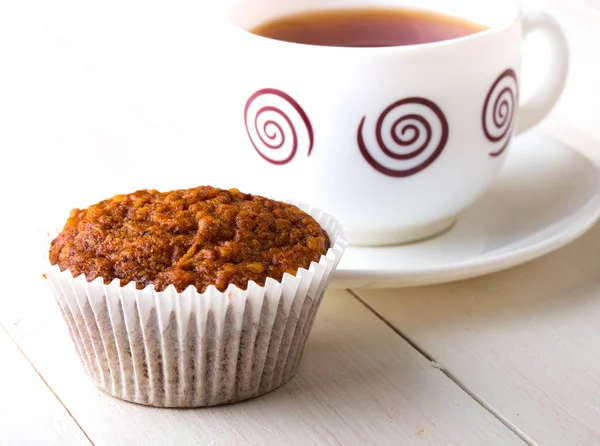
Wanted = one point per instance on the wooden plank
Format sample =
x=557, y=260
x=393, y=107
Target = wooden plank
x=29, y=412
x=359, y=383
x=524, y=341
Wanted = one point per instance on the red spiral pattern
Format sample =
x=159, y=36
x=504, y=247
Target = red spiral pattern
x=499, y=110
x=419, y=133
x=270, y=128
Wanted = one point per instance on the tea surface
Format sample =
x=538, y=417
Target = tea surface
x=368, y=27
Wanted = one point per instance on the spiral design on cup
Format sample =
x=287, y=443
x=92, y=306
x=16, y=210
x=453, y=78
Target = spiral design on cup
x=410, y=134
x=277, y=126
x=499, y=110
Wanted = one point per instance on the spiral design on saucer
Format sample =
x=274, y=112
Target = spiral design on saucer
x=499, y=110
x=277, y=126
x=410, y=134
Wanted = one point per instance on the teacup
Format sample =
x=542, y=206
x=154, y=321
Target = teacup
x=394, y=141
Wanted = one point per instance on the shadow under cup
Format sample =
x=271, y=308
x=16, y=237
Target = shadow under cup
x=394, y=141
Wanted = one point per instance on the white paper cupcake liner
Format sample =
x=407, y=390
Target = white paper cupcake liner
x=171, y=349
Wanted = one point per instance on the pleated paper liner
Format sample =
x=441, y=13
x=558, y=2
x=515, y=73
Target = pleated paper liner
x=191, y=349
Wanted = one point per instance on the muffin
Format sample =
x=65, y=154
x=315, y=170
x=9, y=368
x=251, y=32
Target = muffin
x=193, y=297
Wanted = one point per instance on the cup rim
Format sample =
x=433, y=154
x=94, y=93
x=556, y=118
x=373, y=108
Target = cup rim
x=490, y=31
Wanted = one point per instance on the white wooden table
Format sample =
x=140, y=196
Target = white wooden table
x=510, y=358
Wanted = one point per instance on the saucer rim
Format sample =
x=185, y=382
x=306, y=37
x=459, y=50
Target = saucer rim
x=481, y=265
x=476, y=267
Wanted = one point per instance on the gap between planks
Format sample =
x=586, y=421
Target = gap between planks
x=501, y=418
x=3, y=329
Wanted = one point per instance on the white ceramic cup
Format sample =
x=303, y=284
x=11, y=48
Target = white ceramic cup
x=394, y=141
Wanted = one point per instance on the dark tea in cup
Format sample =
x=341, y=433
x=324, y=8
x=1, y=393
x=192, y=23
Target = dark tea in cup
x=367, y=27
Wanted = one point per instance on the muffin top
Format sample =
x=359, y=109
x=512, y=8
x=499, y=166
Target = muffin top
x=202, y=236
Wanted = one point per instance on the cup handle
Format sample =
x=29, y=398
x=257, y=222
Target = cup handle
x=547, y=93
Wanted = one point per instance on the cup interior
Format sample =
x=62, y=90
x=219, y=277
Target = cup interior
x=247, y=14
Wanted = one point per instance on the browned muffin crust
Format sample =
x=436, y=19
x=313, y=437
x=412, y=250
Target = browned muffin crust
x=202, y=236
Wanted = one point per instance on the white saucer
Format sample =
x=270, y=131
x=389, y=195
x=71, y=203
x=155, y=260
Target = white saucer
x=546, y=196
